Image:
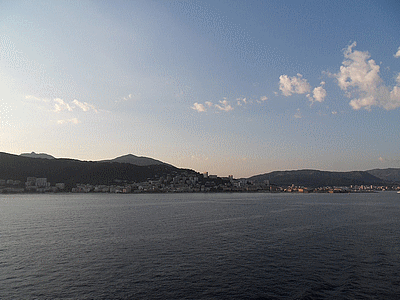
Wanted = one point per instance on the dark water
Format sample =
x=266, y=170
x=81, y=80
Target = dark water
x=200, y=246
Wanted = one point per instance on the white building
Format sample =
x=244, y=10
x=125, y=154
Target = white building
x=42, y=182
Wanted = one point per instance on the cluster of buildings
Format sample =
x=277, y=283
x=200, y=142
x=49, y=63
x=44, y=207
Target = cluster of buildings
x=207, y=183
x=341, y=189
x=10, y=186
x=186, y=182
x=32, y=185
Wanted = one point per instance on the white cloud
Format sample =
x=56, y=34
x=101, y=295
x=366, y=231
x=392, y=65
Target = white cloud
x=225, y=106
x=319, y=93
x=209, y=104
x=199, y=107
x=357, y=71
x=359, y=77
x=73, y=121
x=84, y=105
x=61, y=105
x=397, y=55
x=293, y=85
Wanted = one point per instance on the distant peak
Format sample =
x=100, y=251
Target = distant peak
x=136, y=160
x=37, y=155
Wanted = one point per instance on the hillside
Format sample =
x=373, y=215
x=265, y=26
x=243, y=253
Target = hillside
x=72, y=171
x=316, y=178
x=391, y=174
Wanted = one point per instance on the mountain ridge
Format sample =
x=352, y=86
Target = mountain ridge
x=303, y=177
x=127, y=158
x=388, y=174
x=136, y=160
x=318, y=178
x=37, y=155
x=72, y=171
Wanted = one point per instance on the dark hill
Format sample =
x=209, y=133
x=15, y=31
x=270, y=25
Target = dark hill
x=315, y=178
x=391, y=174
x=72, y=171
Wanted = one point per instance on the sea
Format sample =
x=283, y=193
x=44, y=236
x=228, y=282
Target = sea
x=200, y=246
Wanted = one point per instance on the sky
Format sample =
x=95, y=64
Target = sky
x=227, y=87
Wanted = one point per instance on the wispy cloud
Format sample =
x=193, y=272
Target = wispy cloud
x=130, y=96
x=60, y=105
x=241, y=101
x=262, y=99
x=199, y=157
x=297, y=115
x=225, y=106
x=84, y=106
x=68, y=112
x=31, y=97
x=293, y=85
x=126, y=98
x=359, y=77
x=397, y=55
x=73, y=121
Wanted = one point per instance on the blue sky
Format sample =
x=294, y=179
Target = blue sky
x=228, y=87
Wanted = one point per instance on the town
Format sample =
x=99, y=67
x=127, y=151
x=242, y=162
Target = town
x=186, y=182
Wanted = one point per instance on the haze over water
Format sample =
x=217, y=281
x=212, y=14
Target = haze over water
x=200, y=246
